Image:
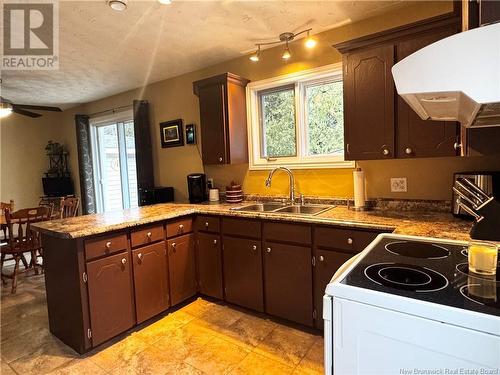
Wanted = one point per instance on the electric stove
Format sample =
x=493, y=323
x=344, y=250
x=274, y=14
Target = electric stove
x=426, y=271
x=410, y=303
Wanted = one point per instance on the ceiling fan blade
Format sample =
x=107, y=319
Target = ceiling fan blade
x=23, y=112
x=38, y=107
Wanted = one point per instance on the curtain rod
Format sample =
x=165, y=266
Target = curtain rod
x=113, y=110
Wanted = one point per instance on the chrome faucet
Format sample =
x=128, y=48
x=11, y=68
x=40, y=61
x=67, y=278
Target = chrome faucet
x=291, y=181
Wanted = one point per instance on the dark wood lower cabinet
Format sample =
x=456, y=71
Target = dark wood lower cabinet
x=327, y=263
x=181, y=267
x=209, y=262
x=150, y=280
x=111, y=299
x=288, y=282
x=242, y=260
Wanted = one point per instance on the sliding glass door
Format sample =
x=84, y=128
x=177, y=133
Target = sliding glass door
x=114, y=165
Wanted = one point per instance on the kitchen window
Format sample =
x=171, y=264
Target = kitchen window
x=297, y=120
x=113, y=154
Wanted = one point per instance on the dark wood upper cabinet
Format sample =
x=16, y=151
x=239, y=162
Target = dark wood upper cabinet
x=181, y=267
x=378, y=124
x=111, y=300
x=287, y=282
x=416, y=137
x=369, y=104
x=242, y=264
x=209, y=264
x=150, y=280
x=223, y=119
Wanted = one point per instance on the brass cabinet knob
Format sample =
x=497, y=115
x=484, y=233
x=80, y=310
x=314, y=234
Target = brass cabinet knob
x=408, y=151
x=139, y=256
x=108, y=245
x=321, y=258
x=181, y=226
x=173, y=245
x=215, y=242
x=457, y=146
x=350, y=241
x=254, y=247
x=124, y=260
x=206, y=224
x=149, y=234
x=220, y=159
x=268, y=250
x=385, y=151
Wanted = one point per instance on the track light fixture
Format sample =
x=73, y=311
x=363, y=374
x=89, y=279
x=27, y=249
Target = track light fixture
x=256, y=55
x=310, y=42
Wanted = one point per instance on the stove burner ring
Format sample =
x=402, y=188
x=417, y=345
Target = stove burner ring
x=436, y=283
x=493, y=302
x=463, y=268
x=395, y=272
x=417, y=249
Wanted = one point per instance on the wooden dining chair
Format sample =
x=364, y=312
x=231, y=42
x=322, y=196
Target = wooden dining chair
x=22, y=240
x=69, y=207
x=3, y=226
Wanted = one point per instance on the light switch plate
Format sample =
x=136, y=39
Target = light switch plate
x=399, y=185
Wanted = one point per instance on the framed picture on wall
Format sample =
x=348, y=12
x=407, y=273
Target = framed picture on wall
x=171, y=134
x=190, y=134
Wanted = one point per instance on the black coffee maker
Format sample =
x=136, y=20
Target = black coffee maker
x=197, y=187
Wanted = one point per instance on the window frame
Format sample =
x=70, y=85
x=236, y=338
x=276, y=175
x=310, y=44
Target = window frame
x=299, y=81
x=118, y=120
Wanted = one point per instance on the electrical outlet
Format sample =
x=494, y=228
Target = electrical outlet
x=399, y=185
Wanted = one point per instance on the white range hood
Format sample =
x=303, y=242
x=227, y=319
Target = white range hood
x=455, y=79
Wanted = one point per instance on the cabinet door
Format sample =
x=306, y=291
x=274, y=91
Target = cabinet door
x=489, y=12
x=243, y=272
x=327, y=263
x=288, y=282
x=213, y=123
x=181, y=268
x=369, y=104
x=150, y=280
x=111, y=300
x=417, y=137
x=209, y=260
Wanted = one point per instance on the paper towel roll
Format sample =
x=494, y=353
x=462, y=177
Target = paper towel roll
x=359, y=188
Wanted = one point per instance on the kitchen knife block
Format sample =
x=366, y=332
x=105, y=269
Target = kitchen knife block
x=487, y=228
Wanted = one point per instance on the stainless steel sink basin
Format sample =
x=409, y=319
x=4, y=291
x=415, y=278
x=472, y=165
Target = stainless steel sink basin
x=284, y=209
x=303, y=210
x=261, y=207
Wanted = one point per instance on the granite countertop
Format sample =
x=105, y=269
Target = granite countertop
x=416, y=223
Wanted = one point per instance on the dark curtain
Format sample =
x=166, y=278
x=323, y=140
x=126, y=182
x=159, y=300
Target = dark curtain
x=85, y=167
x=143, y=152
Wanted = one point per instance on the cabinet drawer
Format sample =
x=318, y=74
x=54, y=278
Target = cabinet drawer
x=101, y=246
x=351, y=240
x=146, y=235
x=207, y=224
x=179, y=227
x=242, y=227
x=287, y=232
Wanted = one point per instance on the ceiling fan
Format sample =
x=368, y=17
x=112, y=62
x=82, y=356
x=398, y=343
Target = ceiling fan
x=7, y=107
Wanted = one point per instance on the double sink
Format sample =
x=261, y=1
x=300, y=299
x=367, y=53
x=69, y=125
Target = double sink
x=279, y=208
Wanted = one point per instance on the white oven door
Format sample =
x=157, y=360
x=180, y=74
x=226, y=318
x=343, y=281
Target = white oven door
x=371, y=340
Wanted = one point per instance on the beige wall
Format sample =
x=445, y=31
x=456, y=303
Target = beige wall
x=173, y=98
x=22, y=154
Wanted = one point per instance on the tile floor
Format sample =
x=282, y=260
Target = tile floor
x=201, y=338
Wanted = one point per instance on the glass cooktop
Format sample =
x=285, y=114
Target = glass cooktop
x=426, y=271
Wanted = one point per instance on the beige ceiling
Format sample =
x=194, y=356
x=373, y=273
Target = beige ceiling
x=104, y=52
